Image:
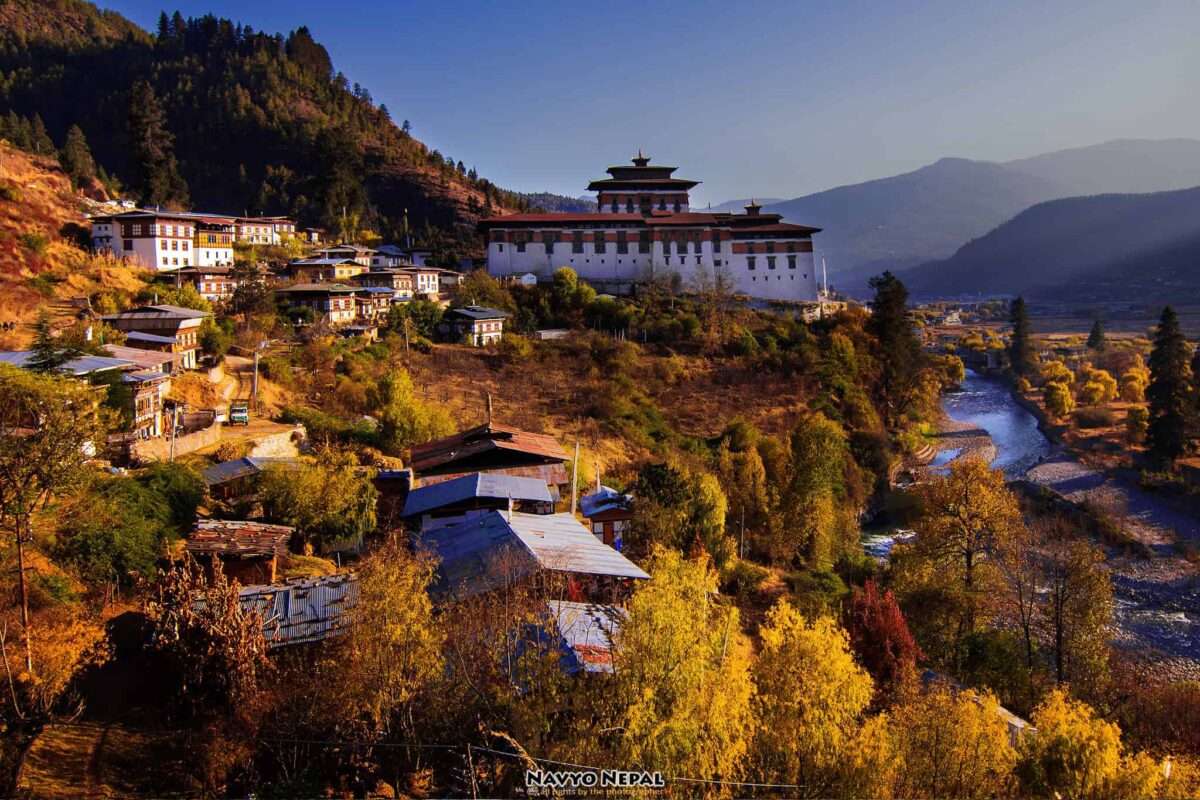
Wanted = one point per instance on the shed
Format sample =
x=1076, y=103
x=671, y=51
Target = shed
x=492, y=448
x=610, y=513
x=495, y=549
x=303, y=610
x=586, y=634
x=249, y=551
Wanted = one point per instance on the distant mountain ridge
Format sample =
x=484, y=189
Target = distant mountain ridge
x=1097, y=247
x=925, y=215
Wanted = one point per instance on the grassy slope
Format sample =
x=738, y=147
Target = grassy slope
x=42, y=265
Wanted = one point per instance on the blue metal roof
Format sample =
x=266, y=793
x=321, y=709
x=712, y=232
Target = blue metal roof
x=477, y=484
x=303, y=610
x=490, y=550
x=139, y=336
x=479, y=312
x=84, y=365
x=604, y=500
x=241, y=467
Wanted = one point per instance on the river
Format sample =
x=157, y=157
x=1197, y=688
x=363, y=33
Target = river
x=1157, y=598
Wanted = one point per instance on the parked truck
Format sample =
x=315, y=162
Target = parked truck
x=239, y=412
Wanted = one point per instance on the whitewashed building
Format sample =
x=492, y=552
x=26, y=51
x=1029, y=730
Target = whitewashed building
x=645, y=228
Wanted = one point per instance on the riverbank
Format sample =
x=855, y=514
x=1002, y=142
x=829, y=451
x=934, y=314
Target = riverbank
x=1157, y=591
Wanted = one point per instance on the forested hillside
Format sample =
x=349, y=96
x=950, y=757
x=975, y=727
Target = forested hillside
x=211, y=114
x=1060, y=246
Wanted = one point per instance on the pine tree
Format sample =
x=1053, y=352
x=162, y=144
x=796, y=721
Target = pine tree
x=898, y=346
x=47, y=354
x=1096, y=340
x=39, y=140
x=156, y=173
x=76, y=157
x=1169, y=392
x=1020, y=348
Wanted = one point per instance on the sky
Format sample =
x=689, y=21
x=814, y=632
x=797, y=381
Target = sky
x=762, y=99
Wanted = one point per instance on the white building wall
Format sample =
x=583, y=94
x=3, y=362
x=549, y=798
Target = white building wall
x=781, y=283
x=214, y=256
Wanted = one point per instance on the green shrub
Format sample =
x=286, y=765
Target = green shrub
x=44, y=284
x=741, y=578
x=10, y=192
x=35, y=243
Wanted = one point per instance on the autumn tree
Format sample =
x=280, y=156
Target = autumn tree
x=1098, y=387
x=48, y=352
x=48, y=425
x=679, y=507
x=683, y=674
x=899, y=350
x=1020, y=347
x=952, y=744
x=810, y=698
x=969, y=516
x=1169, y=391
x=1077, y=611
x=152, y=150
x=1076, y=755
x=809, y=502
x=1134, y=382
x=405, y=419
x=880, y=636
x=329, y=500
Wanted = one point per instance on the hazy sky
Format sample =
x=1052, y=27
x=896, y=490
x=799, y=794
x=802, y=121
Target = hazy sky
x=772, y=99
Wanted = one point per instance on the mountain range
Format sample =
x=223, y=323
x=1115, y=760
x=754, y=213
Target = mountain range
x=906, y=220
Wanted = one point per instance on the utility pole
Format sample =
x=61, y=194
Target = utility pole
x=174, y=428
x=742, y=539
x=254, y=382
x=574, y=472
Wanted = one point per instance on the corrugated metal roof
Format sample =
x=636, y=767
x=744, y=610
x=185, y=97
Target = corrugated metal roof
x=141, y=336
x=143, y=358
x=606, y=499
x=84, y=365
x=304, y=610
x=159, y=312
x=477, y=484
x=143, y=376
x=241, y=467
x=479, y=312
x=487, y=551
x=587, y=632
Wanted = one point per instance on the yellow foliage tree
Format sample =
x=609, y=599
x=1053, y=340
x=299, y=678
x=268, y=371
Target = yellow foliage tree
x=952, y=745
x=810, y=697
x=683, y=674
x=1099, y=386
x=1058, y=399
x=1057, y=372
x=1134, y=383
x=1077, y=756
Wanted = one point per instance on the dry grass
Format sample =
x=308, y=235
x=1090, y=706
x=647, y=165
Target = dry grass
x=41, y=265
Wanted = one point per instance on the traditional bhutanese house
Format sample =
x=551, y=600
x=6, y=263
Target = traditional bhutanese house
x=354, y=252
x=154, y=360
x=610, y=514
x=500, y=549
x=399, y=281
x=249, y=551
x=477, y=325
x=303, y=610
x=427, y=281
x=214, y=284
x=389, y=255
x=324, y=270
x=492, y=448
x=585, y=634
x=164, y=328
x=454, y=501
x=1017, y=727
x=373, y=302
x=331, y=302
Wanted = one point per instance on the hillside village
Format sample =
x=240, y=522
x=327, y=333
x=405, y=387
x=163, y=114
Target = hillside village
x=322, y=500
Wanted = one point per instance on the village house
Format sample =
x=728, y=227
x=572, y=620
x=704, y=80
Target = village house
x=477, y=325
x=164, y=328
x=214, y=241
x=148, y=388
x=399, y=281
x=156, y=240
x=265, y=230
x=324, y=270
x=373, y=302
x=427, y=281
x=495, y=449
x=390, y=255
x=312, y=235
x=454, y=501
x=354, y=252
x=249, y=552
x=214, y=284
x=502, y=549
x=610, y=514
x=143, y=359
x=332, y=303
